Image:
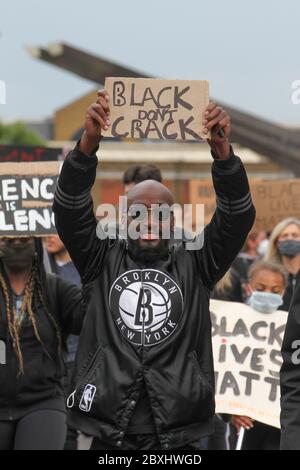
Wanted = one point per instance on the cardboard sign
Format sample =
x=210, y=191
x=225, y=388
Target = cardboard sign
x=273, y=200
x=203, y=192
x=247, y=360
x=26, y=197
x=142, y=108
x=29, y=153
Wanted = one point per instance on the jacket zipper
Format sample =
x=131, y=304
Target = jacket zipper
x=71, y=397
x=143, y=331
x=143, y=319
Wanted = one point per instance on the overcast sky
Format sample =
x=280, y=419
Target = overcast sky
x=249, y=51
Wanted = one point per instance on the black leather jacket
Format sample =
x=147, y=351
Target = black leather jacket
x=290, y=378
x=170, y=346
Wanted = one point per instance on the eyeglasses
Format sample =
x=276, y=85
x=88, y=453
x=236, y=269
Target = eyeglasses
x=159, y=213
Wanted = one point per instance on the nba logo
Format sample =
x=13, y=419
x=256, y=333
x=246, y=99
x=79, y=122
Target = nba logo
x=2, y=92
x=87, y=398
x=146, y=305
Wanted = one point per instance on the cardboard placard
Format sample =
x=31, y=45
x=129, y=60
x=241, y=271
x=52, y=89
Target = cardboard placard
x=273, y=200
x=142, y=108
x=202, y=192
x=247, y=360
x=29, y=153
x=26, y=197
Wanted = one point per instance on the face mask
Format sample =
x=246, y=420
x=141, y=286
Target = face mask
x=289, y=248
x=19, y=256
x=265, y=302
x=263, y=247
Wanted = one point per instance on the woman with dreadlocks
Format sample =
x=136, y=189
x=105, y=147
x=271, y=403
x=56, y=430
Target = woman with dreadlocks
x=37, y=312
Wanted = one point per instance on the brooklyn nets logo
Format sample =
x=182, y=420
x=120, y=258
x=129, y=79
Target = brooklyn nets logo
x=146, y=305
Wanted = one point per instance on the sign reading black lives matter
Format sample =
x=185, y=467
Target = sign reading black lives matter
x=247, y=360
x=26, y=197
x=143, y=108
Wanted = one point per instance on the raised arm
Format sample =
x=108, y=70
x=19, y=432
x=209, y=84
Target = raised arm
x=73, y=206
x=225, y=235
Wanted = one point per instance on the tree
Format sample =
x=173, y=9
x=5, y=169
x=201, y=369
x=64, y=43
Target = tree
x=17, y=133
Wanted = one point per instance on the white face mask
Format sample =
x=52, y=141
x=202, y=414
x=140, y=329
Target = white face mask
x=262, y=247
x=265, y=302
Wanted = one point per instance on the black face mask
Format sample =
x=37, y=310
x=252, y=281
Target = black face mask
x=17, y=256
x=289, y=248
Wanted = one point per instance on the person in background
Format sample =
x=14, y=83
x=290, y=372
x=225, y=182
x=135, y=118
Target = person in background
x=62, y=265
x=138, y=173
x=265, y=289
x=38, y=311
x=250, y=253
x=284, y=248
x=229, y=288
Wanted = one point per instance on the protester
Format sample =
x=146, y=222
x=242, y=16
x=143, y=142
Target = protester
x=229, y=288
x=138, y=173
x=37, y=312
x=144, y=374
x=267, y=282
x=284, y=248
x=133, y=175
x=249, y=254
x=62, y=265
x=290, y=378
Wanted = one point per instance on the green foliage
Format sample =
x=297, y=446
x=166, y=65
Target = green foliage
x=18, y=134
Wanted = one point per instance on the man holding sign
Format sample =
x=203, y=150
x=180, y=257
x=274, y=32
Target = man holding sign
x=144, y=374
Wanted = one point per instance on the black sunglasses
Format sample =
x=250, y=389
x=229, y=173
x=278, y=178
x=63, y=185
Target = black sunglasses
x=159, y=213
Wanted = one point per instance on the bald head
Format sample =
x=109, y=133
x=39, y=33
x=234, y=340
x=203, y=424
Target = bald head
x=150, y=192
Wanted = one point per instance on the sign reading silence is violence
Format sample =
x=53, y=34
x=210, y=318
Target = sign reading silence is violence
x=26, y=197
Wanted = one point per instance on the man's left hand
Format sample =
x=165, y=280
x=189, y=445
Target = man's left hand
x=216, y=121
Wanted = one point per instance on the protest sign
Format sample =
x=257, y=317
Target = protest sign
x=273, y=200
x=29, y=153
x=202, y=192
x=247, y=360
x=142, y=108
x=26, y=197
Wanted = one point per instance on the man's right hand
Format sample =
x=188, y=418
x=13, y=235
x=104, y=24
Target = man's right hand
x=97, y=118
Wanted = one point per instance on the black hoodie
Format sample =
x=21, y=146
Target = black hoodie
x=40, y=386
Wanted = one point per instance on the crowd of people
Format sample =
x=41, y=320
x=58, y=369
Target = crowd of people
x=108, y=342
